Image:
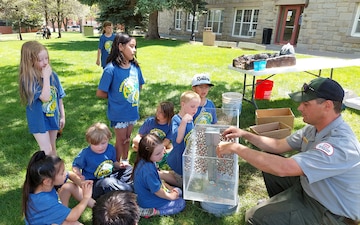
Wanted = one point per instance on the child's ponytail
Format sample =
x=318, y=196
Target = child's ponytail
x=40, y=166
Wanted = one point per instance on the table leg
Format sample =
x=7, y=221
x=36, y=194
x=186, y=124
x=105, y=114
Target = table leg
x=252, y=100
x=253, y=93
x=331, y=72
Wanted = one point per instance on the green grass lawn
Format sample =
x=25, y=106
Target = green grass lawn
x=167, y=66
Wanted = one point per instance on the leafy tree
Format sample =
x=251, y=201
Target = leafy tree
x=133, y=12
x=22, y=14
x=119, y=12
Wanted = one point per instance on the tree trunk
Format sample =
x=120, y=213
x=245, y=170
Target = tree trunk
x=153, y=29
x=59, y=18
x=65, y=23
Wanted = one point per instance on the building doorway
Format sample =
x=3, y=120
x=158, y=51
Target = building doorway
x=289, y=24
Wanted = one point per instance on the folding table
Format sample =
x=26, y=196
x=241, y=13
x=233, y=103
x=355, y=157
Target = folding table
x=302, y=65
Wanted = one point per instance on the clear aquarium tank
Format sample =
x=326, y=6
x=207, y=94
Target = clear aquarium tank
x=207, y=178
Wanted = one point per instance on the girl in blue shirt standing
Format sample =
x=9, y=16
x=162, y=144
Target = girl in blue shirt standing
x=41, y=91
x=151, y=191
x=105, y=43
x=120, y=83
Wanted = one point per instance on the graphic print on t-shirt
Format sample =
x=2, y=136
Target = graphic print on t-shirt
x=108, y=45
x=160, y=133
x=49, y=107
x=130, y=87
x=104, y=169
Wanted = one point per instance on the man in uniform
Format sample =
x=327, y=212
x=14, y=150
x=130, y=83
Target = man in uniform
x=321, y=183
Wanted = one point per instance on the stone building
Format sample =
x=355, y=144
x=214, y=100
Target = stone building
x=319, y=25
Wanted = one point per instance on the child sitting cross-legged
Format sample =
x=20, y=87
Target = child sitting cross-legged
x=97, y=162
x=151, y=191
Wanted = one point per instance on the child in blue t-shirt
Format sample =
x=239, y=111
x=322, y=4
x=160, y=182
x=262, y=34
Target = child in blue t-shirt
x=42, y=93
x=206, y=113
x=98, y=162
x=105, y=43
x=40, y=201
x=182, y=126
x=151, y=191
x=120, y=84
x=160, y=124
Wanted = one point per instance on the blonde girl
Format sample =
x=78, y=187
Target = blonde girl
x=41, y=91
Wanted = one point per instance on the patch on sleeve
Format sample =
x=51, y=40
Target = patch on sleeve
x=325, y=147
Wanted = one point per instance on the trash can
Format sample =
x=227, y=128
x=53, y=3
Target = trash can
x=208, y=37
x=266, y=38
x=88, y=30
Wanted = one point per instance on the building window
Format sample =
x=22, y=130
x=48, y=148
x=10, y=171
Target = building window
x=245, y=22
x=189, y=21
x=356, y=26
x=215, y=20
x=178, y=14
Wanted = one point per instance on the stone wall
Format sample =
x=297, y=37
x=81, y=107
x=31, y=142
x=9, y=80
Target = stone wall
x=326, y=24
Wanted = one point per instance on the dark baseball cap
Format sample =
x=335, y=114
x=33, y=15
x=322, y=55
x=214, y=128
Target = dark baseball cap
x=321, y=87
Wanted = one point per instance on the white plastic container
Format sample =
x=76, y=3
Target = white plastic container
x=232, y=102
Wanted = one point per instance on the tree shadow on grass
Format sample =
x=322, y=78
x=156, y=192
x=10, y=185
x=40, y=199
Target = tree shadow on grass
x=91, y=44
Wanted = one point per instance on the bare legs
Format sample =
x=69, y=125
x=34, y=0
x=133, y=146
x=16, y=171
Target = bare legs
x=47, y=141
x=122, y=142
x=70, y=189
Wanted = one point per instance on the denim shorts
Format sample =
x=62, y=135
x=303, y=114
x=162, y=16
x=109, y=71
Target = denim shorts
x=119, y=125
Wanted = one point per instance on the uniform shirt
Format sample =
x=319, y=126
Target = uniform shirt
x=330, y=161
x=45, y=116
x=150, y=126
x=123, y=88
x=146, y=183
x=105, y=44
x=206, y=114
x=44, y=208
x=95, y=165
x=174, y=158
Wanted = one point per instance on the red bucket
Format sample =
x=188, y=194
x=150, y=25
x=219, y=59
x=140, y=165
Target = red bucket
x=263, y=89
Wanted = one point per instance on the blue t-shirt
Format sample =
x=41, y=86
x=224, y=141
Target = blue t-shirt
x=123, y=88
x=105, y=44
x=174, y=159
x=94, y=165
x=146, y=183
x=206, y=114
x=45, y=116
x=150, y=126
x=44, y=208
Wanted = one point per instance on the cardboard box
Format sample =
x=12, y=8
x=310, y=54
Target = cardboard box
x=274, y=130
x=284, y=115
